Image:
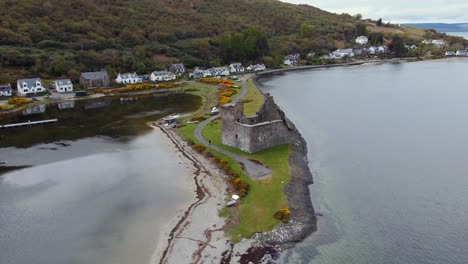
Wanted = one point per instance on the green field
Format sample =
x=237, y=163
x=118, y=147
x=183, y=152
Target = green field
x=253, y=100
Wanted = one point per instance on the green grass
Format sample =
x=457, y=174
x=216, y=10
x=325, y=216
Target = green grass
x=254, y=99
x=206, y=91
x=266, y=196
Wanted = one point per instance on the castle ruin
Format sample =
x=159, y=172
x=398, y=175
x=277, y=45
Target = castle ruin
x=268, y=128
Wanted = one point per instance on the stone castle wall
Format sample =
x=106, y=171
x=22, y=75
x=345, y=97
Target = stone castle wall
x=268, y=128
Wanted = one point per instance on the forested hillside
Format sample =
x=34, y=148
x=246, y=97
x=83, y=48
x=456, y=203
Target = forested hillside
x=54, y=38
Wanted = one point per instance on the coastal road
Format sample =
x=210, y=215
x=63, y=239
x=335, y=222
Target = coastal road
x=252, y=168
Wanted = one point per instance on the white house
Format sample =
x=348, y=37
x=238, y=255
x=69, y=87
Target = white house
x=438, y=42
x=362, y=40
x=291, y=60
x=177, y=68
x=257, y=67
x=63, y=86
x=5, y=90
x=382, y=49
x=341, y=53
x=236, y=67
x=33, y=85
x=219, y=71
x=200, y=73
x=450, y=53
x=463, y=53
x=128, y=78
x=162, y=76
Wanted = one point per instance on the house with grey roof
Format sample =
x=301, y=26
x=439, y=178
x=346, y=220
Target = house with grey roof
x=200, y=73
x=177, y=68
x=28, y=86
x=219, y=71
x=236, y=67
x=63, y=86
x=5, y=90
x=95, y=79
x=128, y=78
x=162, y=76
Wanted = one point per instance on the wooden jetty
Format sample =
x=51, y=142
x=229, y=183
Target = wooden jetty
x=30, y=123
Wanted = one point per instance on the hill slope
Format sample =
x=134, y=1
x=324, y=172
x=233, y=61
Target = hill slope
x=54, y=38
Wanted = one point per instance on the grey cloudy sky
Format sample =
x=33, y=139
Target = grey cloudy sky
x=398, y=11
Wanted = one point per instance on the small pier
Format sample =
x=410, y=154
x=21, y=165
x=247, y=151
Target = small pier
x=30, y=123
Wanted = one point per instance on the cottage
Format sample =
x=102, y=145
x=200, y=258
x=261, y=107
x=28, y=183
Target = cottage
x=291, y=60
x=128, y=78
x=257, y=67
x=362, y=40
x=438, y=42
x=382, y=49
x=177, y=68
x=95, y=79
x=341, y=53
x=162, y=76
x=5, y=90
x=63, y=86
x=462, y=53
x=411, y=47
x=219, y=71
x=450, y=53
x=26, y=86
x=200, y=73
x=236, y=67
x=360, y=52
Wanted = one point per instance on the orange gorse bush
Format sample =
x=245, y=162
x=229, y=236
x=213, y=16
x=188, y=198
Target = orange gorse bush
x=17, y=101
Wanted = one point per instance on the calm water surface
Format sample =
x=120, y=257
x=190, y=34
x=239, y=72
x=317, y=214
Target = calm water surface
x=99, y=192
x=459, y=34
x=388, y=149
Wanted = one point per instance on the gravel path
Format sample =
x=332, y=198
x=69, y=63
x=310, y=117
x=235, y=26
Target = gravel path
x=253, y=169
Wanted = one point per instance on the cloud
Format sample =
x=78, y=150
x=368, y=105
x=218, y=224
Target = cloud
x=398, y=11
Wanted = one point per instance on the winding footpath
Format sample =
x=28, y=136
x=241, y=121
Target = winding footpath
x=252, y=168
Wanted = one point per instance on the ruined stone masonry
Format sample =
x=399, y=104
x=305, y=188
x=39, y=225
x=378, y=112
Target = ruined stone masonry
x=268, y=128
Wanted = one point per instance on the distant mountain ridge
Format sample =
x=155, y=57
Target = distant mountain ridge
x=442, y=27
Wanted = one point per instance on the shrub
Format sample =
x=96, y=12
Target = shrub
x=190, y=142
x=216, y=160
x=283, y=215
x=241, y=186
x=17, y=101
x=199, y=148
x=198, y=118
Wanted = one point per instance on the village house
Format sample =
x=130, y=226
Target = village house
x=162, y=76
x=200, y=73
x=450, y=53
x=95, y=79
x=63, y=86
x=5, y=90
x=236, y=67
x=438, y=42
x=291, y=60
x=362, y=40
x=257, y=67
x=360, y=52
x=219, y=71
x=341, y=53
x=32, y=85
x=128, y=78
x=177, y=68
x=462, y=53
x=411, y=47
